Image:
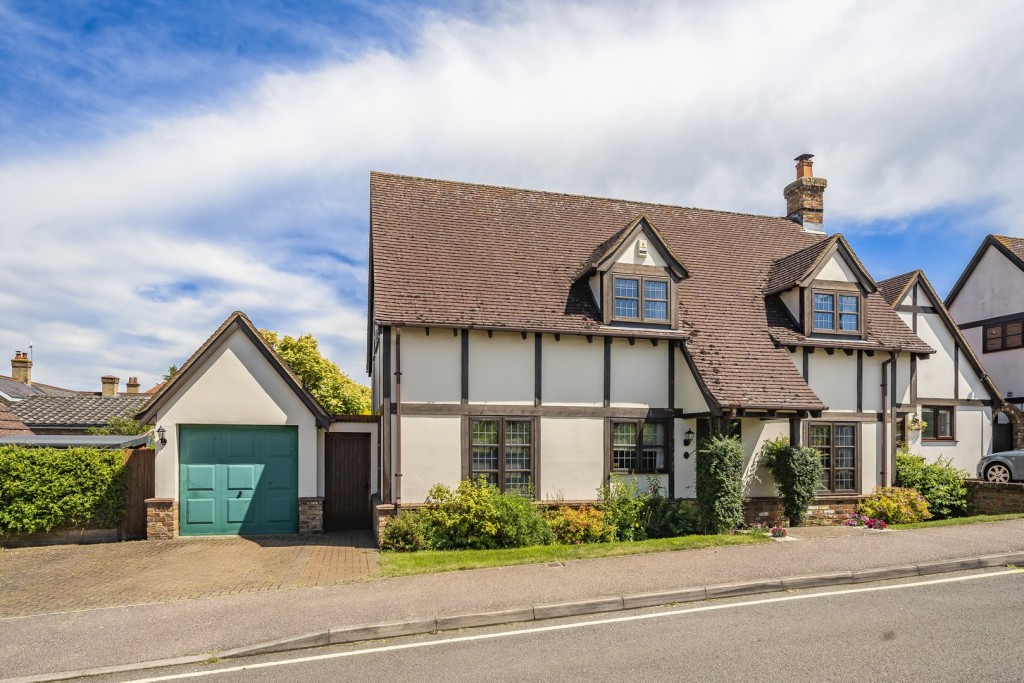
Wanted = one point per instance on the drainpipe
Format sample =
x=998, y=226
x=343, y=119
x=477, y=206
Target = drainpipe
x=885, y=420
x=398, y=420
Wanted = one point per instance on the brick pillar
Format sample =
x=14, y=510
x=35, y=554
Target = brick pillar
x=161, y=519
x=311, y=516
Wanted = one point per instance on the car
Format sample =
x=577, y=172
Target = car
x=1002, y=467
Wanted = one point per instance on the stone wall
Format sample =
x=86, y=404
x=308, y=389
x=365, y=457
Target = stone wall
x=985, y=498
x=161, y=519
x=311, y=516
x=823, y=511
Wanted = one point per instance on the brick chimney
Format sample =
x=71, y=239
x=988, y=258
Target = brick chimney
x=21, y=367
x=133, y=385
x=110, y=384
x=805, y=196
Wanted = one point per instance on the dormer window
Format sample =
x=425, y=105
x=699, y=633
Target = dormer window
x=641, y=299
x=836, y=312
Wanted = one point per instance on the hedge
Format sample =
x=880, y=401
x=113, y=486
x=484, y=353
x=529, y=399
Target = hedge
x=47, y=489
x=720, y=484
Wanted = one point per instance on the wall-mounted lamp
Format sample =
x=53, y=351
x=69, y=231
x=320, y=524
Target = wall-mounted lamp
x=688, y=437
x=162, y=435
x=686, y=455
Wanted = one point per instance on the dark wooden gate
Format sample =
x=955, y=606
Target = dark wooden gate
x=141, y=466
x=347, y=485
x=1002, y=437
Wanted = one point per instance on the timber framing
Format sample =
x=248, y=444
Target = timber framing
x=994, y=241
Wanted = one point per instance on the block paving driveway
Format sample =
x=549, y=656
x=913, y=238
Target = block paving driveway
x=78, y=577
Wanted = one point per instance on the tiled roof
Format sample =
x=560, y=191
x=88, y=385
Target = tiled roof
x=787, y=271
x=893, y=288
x=76, y=411
x=17, y=389
x=1014, y=244
x=10, y=425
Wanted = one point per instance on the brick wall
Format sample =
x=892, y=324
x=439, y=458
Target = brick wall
x=823, y=511
x=161, y=519
x=311, y=516
x=985, y=498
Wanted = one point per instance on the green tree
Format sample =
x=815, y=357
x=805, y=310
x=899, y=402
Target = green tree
x=338, y=393
x=171, y=372
x=120, y=425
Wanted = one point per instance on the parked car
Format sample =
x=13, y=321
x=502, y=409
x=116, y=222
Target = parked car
x=1002, y=467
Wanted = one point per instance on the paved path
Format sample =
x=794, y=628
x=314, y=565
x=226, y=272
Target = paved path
x=70, y=578
x=61, y=642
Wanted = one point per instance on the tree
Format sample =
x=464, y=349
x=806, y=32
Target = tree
x=336, y=392
x=121, y=425
x=171, y=372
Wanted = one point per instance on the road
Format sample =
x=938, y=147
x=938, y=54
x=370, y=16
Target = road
x=947, y=628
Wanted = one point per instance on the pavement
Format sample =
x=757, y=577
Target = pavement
x=63, y=641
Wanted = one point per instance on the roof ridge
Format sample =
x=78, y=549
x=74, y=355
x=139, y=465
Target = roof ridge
x=573, y=195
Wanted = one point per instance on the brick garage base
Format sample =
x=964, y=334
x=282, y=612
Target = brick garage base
x=985, y=498
x=161, y=519
x=823, y=511
x=311, y=516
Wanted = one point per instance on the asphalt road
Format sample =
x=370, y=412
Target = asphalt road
x=946, y=628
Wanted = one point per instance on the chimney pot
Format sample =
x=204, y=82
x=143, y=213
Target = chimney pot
x=21, y=367
x=133, y=385
x=805, y=196
x=110, y=384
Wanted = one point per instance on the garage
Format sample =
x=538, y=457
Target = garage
x=238, y=479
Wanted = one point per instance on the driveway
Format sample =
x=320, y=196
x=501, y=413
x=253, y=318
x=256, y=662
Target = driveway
x=77, y=577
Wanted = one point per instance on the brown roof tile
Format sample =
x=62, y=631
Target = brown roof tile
x=892, y=290
x=10, y=424
x=1014, y=244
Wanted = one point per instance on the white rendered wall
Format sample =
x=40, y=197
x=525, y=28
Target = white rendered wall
x=571, y=458
x=689, y=398
x=870, y=447
x=639, y=374
x=431, y=454
x=572, y=371
x=653, y=258
x=791, y=297
x=756, y=433
x=501, y=368
x=236, y=386
x=993, y=290
x=935, y=377
x=431, y=366
x=834, y=379
x=1005, y=368
x=872, y=402
x=836, y=269
x=973, y=438
x=685, y=467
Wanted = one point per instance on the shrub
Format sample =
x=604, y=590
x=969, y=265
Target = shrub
x=797, y=474
x=720, y=484
x=623, y=506
x=404, y=533
x=574, y=526
x=664, y=518
x=477, y=515
x=43, y=489
x=941, y=484
x=895, y=506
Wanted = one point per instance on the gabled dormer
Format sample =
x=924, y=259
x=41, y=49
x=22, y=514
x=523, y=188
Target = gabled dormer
x=634, y=278
x=824, y=288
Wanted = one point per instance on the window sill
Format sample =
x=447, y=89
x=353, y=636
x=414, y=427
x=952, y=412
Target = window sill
x=940, y=441
x=639, y=472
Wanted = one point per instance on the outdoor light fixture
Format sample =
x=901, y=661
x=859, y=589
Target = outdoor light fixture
x=688, y=437
x=161, y=432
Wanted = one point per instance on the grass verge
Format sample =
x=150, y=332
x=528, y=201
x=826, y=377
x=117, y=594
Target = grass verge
x=959, y=521
x=431, y=561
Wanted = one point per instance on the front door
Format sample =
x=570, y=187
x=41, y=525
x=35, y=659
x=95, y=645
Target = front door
x=347, y=485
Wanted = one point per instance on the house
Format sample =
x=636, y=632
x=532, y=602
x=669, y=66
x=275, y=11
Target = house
x=552, y=342
x=244, y=448
x=10, y=425
x=988, y=307
x=951, y=395
x=19, y=384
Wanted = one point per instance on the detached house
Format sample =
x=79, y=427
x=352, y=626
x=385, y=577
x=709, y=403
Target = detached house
x=553, y=342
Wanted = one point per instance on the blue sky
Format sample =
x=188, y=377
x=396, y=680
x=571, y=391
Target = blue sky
x=165, y=163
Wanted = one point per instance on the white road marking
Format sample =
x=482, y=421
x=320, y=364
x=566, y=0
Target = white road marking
x=563, y=627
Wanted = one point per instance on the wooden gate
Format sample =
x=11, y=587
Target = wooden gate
x=141, y=466
x=347, y=482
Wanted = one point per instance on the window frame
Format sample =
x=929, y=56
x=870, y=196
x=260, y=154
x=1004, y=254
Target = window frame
x=638, y=445
x=641, y=298
x=934, y=423
x=1001, y=326
x=831, y=470
x=835, y=293
x=468, y=471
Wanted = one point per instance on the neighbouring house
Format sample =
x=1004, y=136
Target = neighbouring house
x=949, y=405
x=19, y=384
x=554, y=342
x=244, y=448
x=987, y=305
x=11, y=425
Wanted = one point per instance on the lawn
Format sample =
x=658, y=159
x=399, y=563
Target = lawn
x=959, y=521
x=431, y=561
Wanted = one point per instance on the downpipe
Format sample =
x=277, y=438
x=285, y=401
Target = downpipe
x=398, y=420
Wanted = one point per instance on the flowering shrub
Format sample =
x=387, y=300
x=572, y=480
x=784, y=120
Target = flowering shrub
x=895, y=506
x=940, y=482
x=865, y=521
x=623, y=506
x=574, y=526
x=778, y=532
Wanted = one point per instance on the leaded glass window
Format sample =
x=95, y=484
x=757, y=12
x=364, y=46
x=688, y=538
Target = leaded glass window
x=836, y=312
x=639, y=445
x=849, y=313
x=824, y=312
x=627, y=298
x=655, y=300
x=837, y=444
x=1001, y=336
x=640, y=298
x=501, y=451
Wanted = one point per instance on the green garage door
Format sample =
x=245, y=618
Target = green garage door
x=238, y=480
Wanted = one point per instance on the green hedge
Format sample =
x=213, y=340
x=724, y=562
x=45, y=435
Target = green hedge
x=720, y=484
x=47, y=489
x=940, y=482
x=797, y=473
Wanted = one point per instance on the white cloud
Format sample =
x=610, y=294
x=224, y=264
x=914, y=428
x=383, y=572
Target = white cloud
x=908, y=106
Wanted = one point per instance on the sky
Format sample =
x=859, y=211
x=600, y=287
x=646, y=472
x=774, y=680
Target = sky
x=165, y=163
